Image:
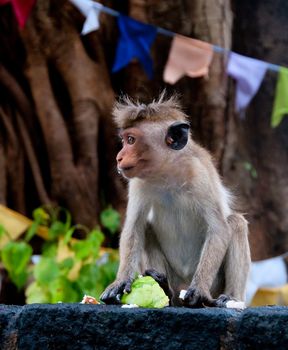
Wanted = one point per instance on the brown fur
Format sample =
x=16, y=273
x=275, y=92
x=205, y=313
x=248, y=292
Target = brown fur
x=180, y=220
x=127, y=112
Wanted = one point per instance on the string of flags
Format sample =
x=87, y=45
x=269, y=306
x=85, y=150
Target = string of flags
x=21, y=9
x=190, y=57
x=187, y=56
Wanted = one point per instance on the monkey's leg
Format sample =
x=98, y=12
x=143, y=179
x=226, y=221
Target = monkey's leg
x=154, y=263
x=237, y=262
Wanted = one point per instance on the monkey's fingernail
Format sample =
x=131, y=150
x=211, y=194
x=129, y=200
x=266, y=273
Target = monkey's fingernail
x=182, y=294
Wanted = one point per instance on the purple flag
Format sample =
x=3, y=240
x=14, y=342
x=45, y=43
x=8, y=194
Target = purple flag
x=249, y=74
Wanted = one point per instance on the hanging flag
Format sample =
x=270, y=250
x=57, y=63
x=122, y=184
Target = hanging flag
x=280, y=107
x=189, y=57
x=135, y=41
x=269, y=273
x=249, y=74
x=91, y=10
x=21, y=9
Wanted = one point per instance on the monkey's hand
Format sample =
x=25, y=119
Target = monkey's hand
x=161, y=279
x=113, y=293
x=196, y=297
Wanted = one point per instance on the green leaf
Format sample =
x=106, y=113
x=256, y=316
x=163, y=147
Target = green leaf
x=95, y=239
x=57, y=229
x=110, y=219
x=37, y=294
x=90, y=280
x=69, y=234
x=250, y=168
x=67, y=223
x=19, y=279
x=40, y=216
x=254, y=173
x=46, y=271
x=49, y=249
x=146, y=292
x=66, y=265
x=247, y=166
x=62, y=289
x=108, y=272
x=88, y=247
x=31, y=231
x=15, y=258
x=3, y=232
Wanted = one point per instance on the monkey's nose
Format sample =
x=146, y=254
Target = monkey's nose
x=119, y=159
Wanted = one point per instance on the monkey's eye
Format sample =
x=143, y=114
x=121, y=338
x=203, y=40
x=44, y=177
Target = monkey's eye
x=130, y=140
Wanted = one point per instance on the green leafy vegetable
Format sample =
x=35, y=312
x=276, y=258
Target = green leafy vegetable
x=146, y=292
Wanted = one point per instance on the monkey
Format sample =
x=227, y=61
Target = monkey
x=180, y=225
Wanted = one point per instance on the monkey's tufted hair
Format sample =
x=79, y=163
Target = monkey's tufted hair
x=127, y=112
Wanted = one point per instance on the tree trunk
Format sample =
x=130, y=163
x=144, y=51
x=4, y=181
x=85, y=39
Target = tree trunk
x=253, y=140
x=58, y=93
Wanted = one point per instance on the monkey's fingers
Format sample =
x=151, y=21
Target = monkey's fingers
x=112, y=294
x=127, y=286
x=161, y=279
x=194, y=298
x=228, y=302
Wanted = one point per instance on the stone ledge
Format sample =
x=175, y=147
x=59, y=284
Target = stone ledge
x=77, y=326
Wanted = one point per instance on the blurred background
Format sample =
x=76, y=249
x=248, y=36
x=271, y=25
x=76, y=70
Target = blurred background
x=62, y=201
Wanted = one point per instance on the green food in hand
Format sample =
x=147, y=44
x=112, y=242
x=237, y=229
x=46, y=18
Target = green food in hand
x=146, y=292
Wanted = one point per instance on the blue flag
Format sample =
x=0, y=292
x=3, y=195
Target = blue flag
x=135, y=41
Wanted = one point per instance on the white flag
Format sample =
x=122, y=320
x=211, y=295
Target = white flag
x=91, y=11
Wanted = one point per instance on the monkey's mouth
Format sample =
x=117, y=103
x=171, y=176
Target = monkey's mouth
x=125, y=169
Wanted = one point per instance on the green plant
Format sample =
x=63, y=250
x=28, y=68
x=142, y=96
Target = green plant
x=67, y=268
x=250, y=168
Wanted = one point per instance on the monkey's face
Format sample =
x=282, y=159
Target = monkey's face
x=134, y=157
x=148, y=148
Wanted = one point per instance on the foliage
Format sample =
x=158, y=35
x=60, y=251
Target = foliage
x=68, y=268
x=110, y=219
x=250, y=168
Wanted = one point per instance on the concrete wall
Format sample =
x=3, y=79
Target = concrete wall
x=76, y=326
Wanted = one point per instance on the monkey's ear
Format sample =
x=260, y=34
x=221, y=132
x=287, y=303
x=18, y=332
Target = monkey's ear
x=177, y=135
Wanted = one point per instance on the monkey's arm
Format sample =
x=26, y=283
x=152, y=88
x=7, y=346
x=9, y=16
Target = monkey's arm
x=131, y=246
x=212, y=255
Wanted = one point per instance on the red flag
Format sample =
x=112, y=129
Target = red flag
x=21, y=9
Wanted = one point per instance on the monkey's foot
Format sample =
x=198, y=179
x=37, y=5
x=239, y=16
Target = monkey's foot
x=113, y=293
x=228, y=302
x=194, y=298
x=222, y=301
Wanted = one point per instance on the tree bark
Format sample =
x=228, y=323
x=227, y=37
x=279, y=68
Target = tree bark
x=253, y=140
x=60, y=92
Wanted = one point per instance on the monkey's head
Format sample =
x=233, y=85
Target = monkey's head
x=153, y=137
